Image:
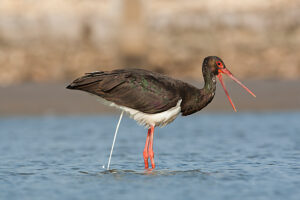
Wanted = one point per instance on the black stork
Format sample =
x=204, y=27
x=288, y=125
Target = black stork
x=153, y=99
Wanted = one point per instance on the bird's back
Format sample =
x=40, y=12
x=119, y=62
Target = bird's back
x=139, y=89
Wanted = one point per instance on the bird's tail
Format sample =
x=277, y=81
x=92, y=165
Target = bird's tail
x=86, y=80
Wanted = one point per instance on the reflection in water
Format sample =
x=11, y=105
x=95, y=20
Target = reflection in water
x=146, y=172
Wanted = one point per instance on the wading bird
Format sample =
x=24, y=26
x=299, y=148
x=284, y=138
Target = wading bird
x=153, y=99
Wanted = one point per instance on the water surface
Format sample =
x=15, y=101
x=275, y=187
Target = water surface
x=205, y=156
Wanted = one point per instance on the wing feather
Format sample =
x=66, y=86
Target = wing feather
x=138, y=89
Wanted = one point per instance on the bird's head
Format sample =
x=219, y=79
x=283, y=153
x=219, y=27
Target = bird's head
x=217, y=67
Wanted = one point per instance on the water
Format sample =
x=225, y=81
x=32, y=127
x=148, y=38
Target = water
x=205, y=156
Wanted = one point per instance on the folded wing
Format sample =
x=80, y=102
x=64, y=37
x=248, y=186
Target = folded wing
x=138, y=89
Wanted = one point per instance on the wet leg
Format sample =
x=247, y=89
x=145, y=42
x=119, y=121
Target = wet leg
x=151, y=153
x=145, y=153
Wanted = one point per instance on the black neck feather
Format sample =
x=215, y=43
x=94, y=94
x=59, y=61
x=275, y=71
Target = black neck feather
x=197, y=99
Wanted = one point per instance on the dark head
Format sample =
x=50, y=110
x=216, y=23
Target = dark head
x=215, y=66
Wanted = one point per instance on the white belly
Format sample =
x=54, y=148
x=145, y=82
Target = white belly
x=158, y=119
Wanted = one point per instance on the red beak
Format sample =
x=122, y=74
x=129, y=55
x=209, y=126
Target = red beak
x=227, y=72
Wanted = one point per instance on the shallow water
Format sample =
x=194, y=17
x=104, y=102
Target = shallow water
x=205, y=156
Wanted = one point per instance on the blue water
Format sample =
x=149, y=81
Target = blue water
x=205, y=156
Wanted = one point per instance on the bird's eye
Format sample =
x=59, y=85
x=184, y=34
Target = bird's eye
x=220, y=65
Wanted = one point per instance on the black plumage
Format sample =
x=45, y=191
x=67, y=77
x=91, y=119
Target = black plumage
x=149, y=92
x=143, y=90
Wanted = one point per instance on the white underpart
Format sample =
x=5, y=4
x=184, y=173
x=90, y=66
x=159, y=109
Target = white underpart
x=158, y=119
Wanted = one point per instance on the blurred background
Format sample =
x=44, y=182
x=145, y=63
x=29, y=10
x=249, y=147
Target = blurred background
x=46, y=44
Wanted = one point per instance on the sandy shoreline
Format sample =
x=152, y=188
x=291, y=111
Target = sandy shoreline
x=54, y=99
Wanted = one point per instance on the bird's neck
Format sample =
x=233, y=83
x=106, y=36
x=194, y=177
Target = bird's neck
x=195, y=99
x=210, y=83
x=207, y=93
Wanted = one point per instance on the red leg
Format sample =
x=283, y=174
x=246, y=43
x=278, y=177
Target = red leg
x=151, y=153
x=145, y=153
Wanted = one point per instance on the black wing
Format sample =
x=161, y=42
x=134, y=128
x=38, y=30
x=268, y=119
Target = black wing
x=139, y=89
